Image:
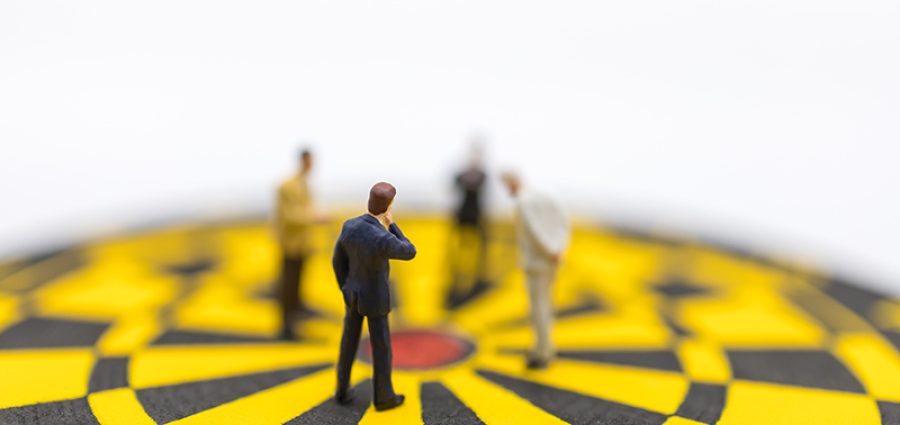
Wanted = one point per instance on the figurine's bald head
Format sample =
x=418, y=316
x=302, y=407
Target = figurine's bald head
x=380, y=197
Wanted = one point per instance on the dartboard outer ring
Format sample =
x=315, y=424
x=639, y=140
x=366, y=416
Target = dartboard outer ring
x=177, y=325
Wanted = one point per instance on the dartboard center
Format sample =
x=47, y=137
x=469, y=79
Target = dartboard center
x=422, y=349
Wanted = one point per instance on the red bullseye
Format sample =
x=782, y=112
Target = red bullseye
x=422, y=349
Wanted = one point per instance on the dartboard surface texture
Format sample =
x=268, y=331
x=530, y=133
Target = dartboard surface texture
x=178, y=325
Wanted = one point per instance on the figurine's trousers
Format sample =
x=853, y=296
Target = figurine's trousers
x=380, y=339
x=478, y=229
x=289, y=290
x=540, y=294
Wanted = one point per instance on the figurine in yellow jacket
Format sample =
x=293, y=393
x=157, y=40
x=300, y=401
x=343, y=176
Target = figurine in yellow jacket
x=294, y=219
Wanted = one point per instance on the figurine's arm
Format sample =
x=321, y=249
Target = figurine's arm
x=298, y=212
x=301, y=214
x=397, y=246
x=278, y=221
x=546, y=224
x=340, y=263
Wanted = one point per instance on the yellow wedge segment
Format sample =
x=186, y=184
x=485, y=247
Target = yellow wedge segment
x=273, y=406
x=494, y=404
x=753, y=317
x=118, y=407
x=751, y=403
x=8, y=310
x=129, y=334
x=109, y=288
x=886, y=314
x=174, y=365
x=704, y=361
x=654, y=390
x=874, y=361
x=29, y=377
x=507, y=302
x=221, y=306
x=632, y=327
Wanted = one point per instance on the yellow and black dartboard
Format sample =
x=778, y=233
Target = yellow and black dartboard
x=178, y=325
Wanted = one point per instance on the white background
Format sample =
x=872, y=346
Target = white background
x=774, y=124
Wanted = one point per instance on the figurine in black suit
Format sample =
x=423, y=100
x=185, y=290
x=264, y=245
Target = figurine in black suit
x=361, y=267
x=468, y=242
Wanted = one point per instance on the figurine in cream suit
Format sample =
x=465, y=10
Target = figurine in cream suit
x=543, y=233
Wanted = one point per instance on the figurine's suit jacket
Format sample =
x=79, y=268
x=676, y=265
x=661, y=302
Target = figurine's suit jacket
x=294, y=217
x=543, y=230
x=361, y=266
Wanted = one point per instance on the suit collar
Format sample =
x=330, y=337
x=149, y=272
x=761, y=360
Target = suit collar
x=371, y=219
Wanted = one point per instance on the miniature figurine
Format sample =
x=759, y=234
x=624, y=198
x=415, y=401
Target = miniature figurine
x=543, y=233
x=469, y=242
x=293, y=222
x=361, y=268
x=470, y=183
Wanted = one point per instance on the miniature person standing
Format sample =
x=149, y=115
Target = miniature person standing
x=543, y=233
x=470, y=184
x=293, y=222
x=361, y=268
x=469, y=249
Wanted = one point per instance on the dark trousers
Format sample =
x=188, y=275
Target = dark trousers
x=289, y=291
x=380, y=338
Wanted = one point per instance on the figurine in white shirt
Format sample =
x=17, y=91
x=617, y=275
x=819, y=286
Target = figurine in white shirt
x=543, y=234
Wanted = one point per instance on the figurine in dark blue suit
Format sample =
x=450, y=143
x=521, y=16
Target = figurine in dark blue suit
x=361, y=267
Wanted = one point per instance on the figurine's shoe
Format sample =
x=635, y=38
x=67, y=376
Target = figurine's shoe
x=391, y=403
x=306, y=313
x=344, y=397
x=287, y=334
x=536, y=364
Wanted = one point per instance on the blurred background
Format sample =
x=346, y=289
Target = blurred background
x=772, y=125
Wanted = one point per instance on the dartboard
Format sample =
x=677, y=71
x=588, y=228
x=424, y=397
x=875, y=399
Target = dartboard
x=178, y=325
